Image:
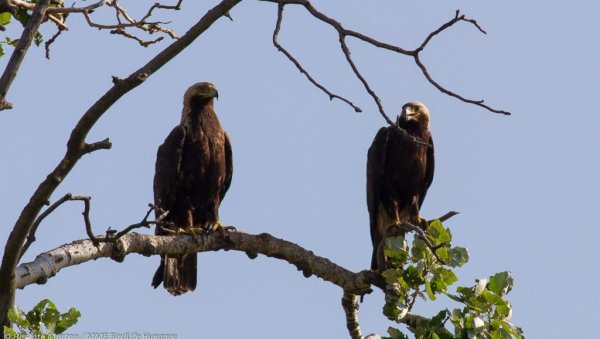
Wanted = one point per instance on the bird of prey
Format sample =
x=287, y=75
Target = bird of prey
x=193, y=172
x=399, y=172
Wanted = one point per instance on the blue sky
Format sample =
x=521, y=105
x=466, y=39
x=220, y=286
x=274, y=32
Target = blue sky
x=526, y=185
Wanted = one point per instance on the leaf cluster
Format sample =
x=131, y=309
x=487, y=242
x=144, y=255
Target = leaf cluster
x=43, y=321
x=426, y=271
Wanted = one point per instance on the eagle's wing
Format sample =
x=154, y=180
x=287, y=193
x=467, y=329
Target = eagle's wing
x=167, y=170
x=429, y=169
x=376, y=158
x=228, y=167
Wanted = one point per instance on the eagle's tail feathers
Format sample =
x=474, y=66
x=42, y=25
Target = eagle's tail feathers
x=177, y=273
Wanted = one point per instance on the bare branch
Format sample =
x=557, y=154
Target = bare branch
x=14, y=63
x=31, y=236
x=76, y=147
x=343, y=33
x=86, y=9
x=143, y=43
x=457, y=18
x=446, y=216
x=145, y=222
x=304, y=260
x=299, y=66
x=104, y=144
x=350, y=305
x=142, y=24
x=452, y=94
x=50, y=42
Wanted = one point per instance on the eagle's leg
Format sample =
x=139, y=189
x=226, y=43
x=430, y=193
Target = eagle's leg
x=189, y=229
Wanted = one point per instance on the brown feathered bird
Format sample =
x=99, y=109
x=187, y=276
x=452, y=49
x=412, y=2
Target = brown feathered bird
x=399, y=172
x=193, y=172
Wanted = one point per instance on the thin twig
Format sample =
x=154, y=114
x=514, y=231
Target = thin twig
x=103, y=144
x=145, y=222
x=445, y=216
x=452, y=94
x=50, y=42
x=143, y=43
x=413, y=298
x=299, y=66
x=31, y=236
x=142, y=24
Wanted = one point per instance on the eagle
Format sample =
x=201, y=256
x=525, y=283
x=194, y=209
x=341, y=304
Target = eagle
x=399, y=173
x=193, y=172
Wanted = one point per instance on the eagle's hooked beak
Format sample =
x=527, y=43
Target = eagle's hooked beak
x=213, y=92
x=408, y=113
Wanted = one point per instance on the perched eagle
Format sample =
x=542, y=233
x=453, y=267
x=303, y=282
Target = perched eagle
x=399, y=172
x=193, y=172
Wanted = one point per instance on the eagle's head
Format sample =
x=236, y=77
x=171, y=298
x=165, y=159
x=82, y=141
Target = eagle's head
x=200, y=91
x=416, y=112
x=195, y=99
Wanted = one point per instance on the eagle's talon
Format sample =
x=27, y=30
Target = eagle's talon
x=218, y=227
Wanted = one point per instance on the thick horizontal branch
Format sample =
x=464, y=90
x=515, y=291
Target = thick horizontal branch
x=47, y=264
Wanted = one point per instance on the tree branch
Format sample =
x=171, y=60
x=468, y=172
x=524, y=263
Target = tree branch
x=48, y=264
x=350, y=305
x=299, y=66
x=76, y=148
x=12, y=68
x=343, y=33
x=38, y=221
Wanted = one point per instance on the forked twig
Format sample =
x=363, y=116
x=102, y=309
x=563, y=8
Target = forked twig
x=343, y=33
x=299, y=66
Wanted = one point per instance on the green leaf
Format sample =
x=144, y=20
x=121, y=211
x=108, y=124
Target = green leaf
x=446, y=276
x=392, y=275
x=396, y=333
x=503, y=310
x=67, y=320
x=458, y=319
x=10, y=333
x=501, y=283
x=443, y=253
x=437, y=234
x=38, y=39
x=429, y=290
x=419, y=250
x=440, y=318
x=5, y=18
x=16, y=316
x=1, y=50
x=396, y=250
x=492, y=297
x=413, y=276
x=458, y=256
x=391, y=311
x=22, y=16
